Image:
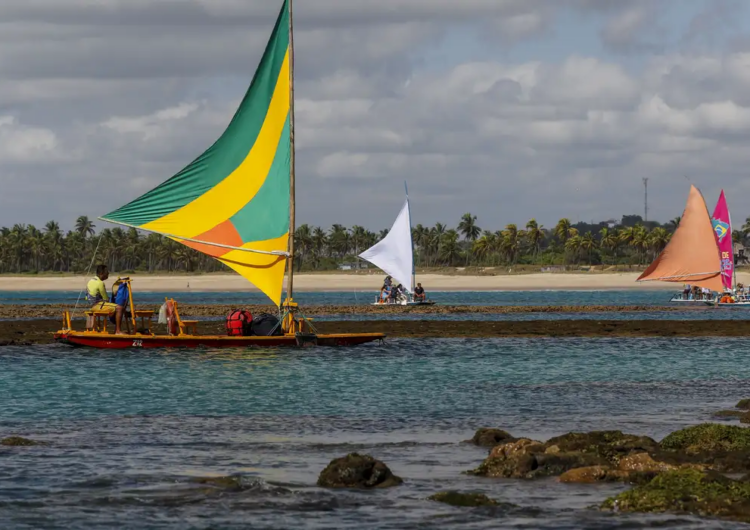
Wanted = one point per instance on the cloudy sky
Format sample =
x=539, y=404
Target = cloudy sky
x=508, y=109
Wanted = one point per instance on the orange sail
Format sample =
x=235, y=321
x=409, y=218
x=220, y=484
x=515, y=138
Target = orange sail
x=691, y=256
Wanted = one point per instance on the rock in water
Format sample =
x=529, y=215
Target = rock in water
x=687, y=491
x=590, y=475
x=729, y=413
x=708, y=437
x=609, y=445
x=357, y=471
x=491, y=437
x=743, y=404
x=456, y=498
x=18, y=441
x=228, y=483
x=526, y=458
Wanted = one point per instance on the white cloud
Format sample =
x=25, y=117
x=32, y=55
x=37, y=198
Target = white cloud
x=22, y=144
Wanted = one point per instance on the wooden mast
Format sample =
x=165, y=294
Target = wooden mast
x=290, y=258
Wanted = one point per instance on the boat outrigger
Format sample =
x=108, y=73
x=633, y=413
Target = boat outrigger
x=394, y=254
x=235, y=203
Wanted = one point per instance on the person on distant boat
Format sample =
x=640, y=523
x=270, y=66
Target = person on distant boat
x=686, y=291
x=96, y=294
x=385, y=291
x=395, y=293
x=121, y=299
x=419, y=295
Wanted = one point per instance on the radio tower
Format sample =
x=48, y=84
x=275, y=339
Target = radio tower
x=645, y=200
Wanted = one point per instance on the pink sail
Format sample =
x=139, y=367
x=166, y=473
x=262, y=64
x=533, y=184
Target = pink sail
x=722, y=225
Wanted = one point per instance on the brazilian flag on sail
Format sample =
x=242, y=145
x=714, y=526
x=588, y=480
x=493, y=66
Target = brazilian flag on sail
x=232, y=201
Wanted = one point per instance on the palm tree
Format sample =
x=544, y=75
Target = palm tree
x=562, y=230
x=450, y=250
x=484, y=246
x=468, y=227
x=358, y=237
x=510, y=243
x=339, y=240
x=319, y=243
x=534, y=236
x=85, y=226
x=302, y=243
x=657, y=240
x=573, y=246
x=588, y=244
x=609, y=240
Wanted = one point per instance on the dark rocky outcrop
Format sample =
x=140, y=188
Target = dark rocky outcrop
x=609, y=445
x=525, y=458
x=457, y=498
x=688, y=491
x=487, y=437
x=228, y=483
x=708, y=437
x=357, y=471
x=729, y=413
x=18, y=441
x=636, y=468
x=743, y=404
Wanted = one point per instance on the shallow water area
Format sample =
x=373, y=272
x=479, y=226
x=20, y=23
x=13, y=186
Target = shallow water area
x=129, y=431
x=630, y=297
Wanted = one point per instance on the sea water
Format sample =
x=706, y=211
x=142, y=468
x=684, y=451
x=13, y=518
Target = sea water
x=634, y=297
x=128, y=431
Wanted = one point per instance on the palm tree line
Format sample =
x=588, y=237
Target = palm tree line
x=25, y=248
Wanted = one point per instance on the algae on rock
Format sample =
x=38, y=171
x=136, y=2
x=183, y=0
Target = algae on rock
x=687, y=491
x=18, y=441
x=708, y=437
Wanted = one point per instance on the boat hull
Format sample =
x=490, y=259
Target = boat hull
x=403, y=304
x=120, y=342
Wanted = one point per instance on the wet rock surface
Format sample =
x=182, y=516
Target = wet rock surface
x=490, y=437
x=46, y=311
x=41, y=331
x=18, y=441
x=602, y=451
x=457, y=498
x=687, y=491
x=357, y=471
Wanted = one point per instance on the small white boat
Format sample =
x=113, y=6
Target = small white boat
x=394, y=254
x=691, y=299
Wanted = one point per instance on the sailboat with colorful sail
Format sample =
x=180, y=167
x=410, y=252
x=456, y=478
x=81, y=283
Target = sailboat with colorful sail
x=235, y=203
x=722, y=224
x=691, y=257
x=394, y=254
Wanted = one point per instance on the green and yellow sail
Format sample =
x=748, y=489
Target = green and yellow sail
x=232, y=202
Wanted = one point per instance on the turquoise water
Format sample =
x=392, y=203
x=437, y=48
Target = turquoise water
x=636, y=297
x=128, y=429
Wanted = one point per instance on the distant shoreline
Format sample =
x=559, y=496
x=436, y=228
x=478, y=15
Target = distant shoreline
x=593, y=281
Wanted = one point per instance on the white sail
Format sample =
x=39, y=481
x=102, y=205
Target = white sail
x=393, y=253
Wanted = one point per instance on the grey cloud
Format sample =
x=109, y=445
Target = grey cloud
x=110, y=102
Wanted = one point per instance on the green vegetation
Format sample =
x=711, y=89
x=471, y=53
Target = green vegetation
x=27, y=249
x=687, y=491
x=708, y=437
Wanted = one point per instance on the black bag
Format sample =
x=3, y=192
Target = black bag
x=265, y=325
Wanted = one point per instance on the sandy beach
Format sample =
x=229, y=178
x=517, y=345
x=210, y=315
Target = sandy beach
x=357, y=282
